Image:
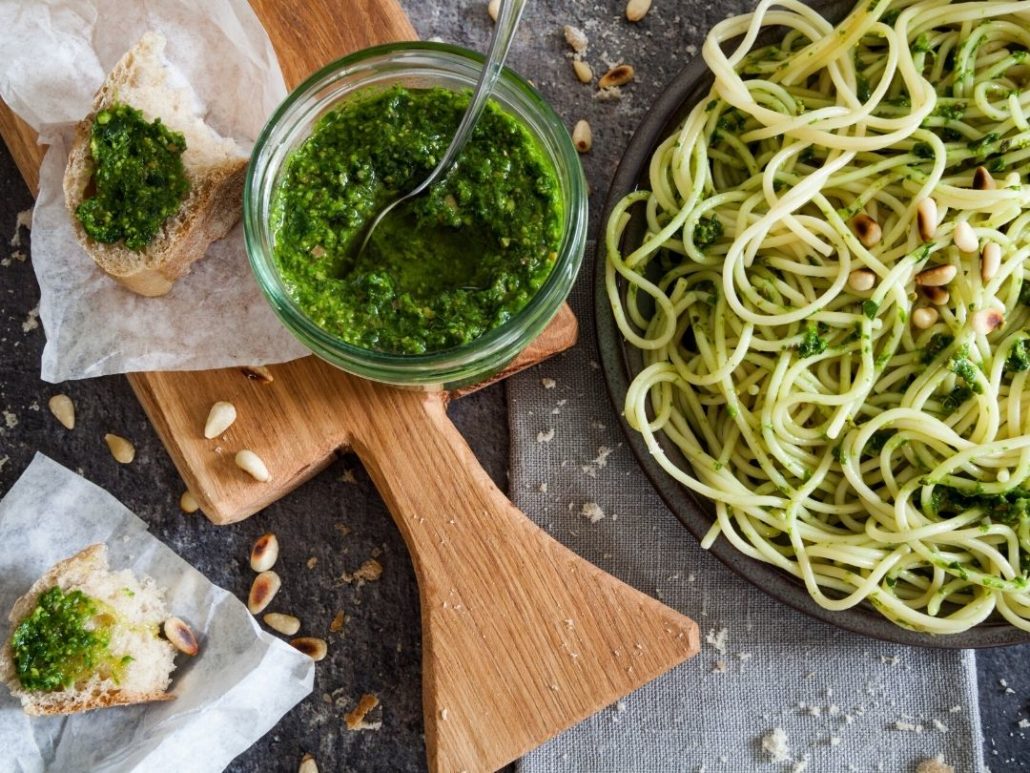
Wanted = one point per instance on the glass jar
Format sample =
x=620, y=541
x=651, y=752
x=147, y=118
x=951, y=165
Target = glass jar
x=413, y=65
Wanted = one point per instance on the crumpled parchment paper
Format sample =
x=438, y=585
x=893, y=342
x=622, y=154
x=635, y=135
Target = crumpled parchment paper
x=56, y=54
x=227, y=697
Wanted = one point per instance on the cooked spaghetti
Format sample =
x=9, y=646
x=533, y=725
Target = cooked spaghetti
x=832, y=298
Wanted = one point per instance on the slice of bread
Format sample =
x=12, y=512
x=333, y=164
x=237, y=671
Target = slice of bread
x=139, y=608
x=215, y=167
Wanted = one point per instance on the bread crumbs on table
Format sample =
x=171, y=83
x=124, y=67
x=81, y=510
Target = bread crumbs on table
x=355, y=720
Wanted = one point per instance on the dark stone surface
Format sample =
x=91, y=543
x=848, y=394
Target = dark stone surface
x=378, y=649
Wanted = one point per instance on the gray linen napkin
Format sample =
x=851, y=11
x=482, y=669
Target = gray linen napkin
x=837, y=701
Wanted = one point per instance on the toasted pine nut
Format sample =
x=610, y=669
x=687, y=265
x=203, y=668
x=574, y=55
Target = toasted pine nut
x=965, y=237
x=307, y=764
x=937, y=276
x=582, y=137
x=987, y=320
x=637, y=9
x=181, y=636
x=188, y=503
x=121, y=449
x=938, y=296
x=990, y=261
x=576, y=38
x=619, y=75
x=219, y=419
x=924, y=317
x=252, y=464
x=982, y=180
x=287, y=625
x=314, y=648
x=258, y=373
x=582, y=70
x=493, y=8
x=264, y=552
x=861, y=280
x=63, y=409
x=926, y=215
x=262, y=591
x=867, y=230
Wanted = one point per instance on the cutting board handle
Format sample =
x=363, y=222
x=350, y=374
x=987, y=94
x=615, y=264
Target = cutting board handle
x=521, y=637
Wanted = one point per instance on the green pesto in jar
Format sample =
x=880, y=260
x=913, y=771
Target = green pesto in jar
x=439, y=272
x=139, y=180
x=63, y=641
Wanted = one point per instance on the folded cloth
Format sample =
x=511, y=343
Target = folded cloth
x=772, y=689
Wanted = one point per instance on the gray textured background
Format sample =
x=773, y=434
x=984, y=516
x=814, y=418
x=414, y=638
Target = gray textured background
x=378, y=650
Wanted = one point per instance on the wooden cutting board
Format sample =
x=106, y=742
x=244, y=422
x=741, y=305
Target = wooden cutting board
x=521, y=637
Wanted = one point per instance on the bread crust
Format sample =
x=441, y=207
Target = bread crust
x=210, y=210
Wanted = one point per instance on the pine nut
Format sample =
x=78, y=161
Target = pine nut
x=867, y=229
x=258, y=373
x=307, y=764
x=262, y=591
x=264, y=552
x=619, y=75
x=990, y=261
x=861, y=280
x=188, y=503
x=982, y=180
x=219, y=419
x=938, y=276
x=926, y=215
x=924, y=317
x=576, y=38
x=582, y=70
x=63, y=409
x=121, y=449
x=582, y=137
x=965, y=237
x=181, y=636
x=637, y=9
x=987, y=320
x=314, y=648
x=252, y=464
x=493, y=8
x=287, y=625
x=938, y=296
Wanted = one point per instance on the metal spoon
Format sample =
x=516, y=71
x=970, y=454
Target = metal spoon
x=504, y=31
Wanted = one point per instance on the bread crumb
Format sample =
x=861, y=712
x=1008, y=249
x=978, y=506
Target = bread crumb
x=312, y=562
x=348, y=477
x=774, y=743
x=890, y=660
x=954, y=709
x=591, y=511
x=907, y=727
x=610, y=94
x=343, y=528
x=719, y=667
x=835, y=740
x=31, y=321
x=1024, y=723
x=936, y=765
x=24, y=221
x=337, y=623
x=542, y=488
x=356, y=719
x=576, y=38
x=10, y=419
x=548, y=383
x=800, y=766
x=717, y=639
x=940, y=725
x=370, y=571
x=546, y=436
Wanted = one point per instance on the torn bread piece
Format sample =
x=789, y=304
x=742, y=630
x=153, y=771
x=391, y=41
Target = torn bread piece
x=214, y=166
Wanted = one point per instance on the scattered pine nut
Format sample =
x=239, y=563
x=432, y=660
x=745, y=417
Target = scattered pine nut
x=121, y=449
x=987, y=320
x=307, y=764
x=619, y=75
x=637, y=9
x=219, y=419
x=861, y=280
x=262, y=591
x=924, y=317
x=181, y=636
x=965, y=237
x=188, y=503
x=582, y=136
x=252, y=464
x=938, y=276
x=264, y=552
x=867, y=229
x=63, y=409
x=926, y=215
x=493, y=8
x=582, y=70
x=576, y=38
x=314, y=648
x=982, y=180
x=287, y=625
x=990, y=261
x=258, y=373
x=938, y=296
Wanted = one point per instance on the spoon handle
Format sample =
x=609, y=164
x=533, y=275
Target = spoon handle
x=504, y=32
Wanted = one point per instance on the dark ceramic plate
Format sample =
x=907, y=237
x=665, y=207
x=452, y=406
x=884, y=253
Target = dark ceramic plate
x=622, y=362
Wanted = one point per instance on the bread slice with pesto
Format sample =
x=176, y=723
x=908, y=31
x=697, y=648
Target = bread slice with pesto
x=85, y=637
x=214, y=169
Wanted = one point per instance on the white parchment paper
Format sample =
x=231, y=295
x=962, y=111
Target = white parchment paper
x=56, y=54
x=227, y=697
